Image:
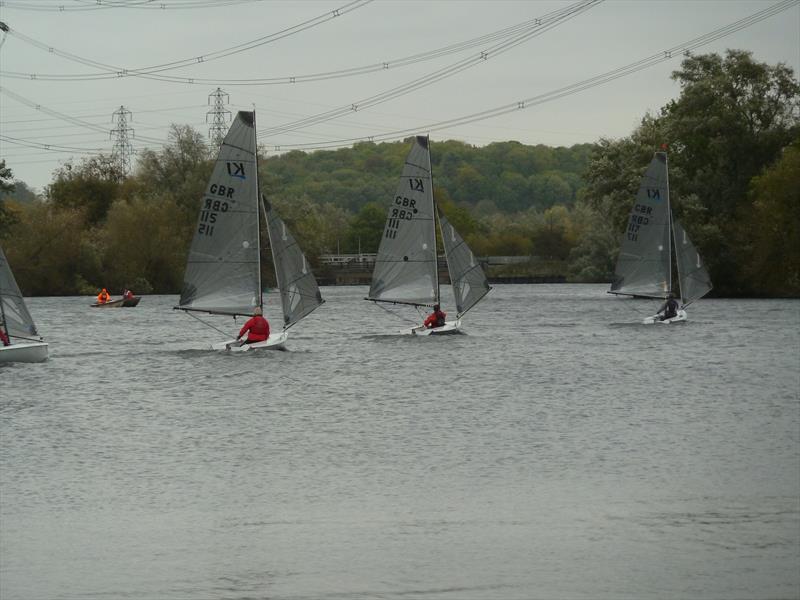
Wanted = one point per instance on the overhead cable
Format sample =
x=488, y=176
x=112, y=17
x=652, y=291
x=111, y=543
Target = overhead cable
x=151, y=72
x=683, y=49
x=111, y=71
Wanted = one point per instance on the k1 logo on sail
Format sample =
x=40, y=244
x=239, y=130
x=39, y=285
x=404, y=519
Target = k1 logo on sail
x=236, y=169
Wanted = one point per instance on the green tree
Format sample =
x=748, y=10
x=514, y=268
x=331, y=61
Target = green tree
x=732, y=119
x=51, y=252
x=773, y=258
x=91, y=187
x=6, y=187
x=366, y=229
x=181, y=168
x=141, y=246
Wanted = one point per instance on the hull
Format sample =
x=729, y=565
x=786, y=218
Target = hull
x=655, y=319
x=120, y=303
x=24, y=352
x=109, y=304
x=276, y=341
x=448, y=328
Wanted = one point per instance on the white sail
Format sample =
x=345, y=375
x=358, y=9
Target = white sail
x=466, y=274
x=406, y=263
x=644, y=264
x=223, y=268
x=15, y=319
x=299, y=291
x=692, y=274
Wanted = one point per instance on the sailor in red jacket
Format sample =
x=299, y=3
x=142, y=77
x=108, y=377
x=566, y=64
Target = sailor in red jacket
x=436, y=318
x=257, y=328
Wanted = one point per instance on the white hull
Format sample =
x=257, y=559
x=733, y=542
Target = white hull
x=680, y=317
x=24, y=352
x=447, y=328
x=276, y=341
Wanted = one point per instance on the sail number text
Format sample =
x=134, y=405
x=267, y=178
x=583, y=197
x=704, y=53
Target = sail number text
x=406, y=211
x=208, y=216
x=638, y=220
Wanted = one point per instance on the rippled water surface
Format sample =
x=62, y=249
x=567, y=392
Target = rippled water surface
x=558, y=450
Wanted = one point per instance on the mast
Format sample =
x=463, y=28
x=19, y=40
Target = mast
x=263, y=213
x=671, y=236
x=258, y=199
x=436, y=220
x=3, y=316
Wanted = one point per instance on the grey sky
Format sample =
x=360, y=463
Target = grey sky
x=607, y=36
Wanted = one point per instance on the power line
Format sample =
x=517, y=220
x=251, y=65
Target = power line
x=53, y=147
x=149, y=72
x=78, y=5
x=111, y=71
x=673, y=52
x=544, y=26
x=62, y=116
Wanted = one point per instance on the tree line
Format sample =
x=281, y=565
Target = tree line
x=732, y=136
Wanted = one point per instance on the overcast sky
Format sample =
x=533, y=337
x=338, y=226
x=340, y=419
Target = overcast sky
x=64, y=108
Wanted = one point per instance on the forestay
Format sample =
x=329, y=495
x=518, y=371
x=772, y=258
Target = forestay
x=406, y=263
x=644, y=264
x=222, y=271
x=466, y=275
x=692, y=274
x=300, y=294
x=14, y=313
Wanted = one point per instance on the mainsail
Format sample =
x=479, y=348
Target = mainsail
x=299, y=291
x=644, y=265
x=406, y=269
x=466, y=275
x=16, y=320
x=222, y=272
x=692, y=275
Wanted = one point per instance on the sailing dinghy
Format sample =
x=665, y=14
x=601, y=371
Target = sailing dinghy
x=223, y=270
x=652, y=237
x=406, y=266
x=26, y=345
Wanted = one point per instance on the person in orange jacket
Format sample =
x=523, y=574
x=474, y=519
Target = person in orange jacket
x=256, y=328
x=103, y=296
x=436, y=318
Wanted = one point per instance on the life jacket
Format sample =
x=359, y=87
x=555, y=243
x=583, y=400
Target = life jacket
x=103, y=297
x=435, y=319
x=4, y=338
x=257, y=329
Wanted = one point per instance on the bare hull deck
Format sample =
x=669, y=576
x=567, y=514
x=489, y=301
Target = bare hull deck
x=448, y=328
x=119, y=303
x=276, y=341
x=24, y=352
x=679, y=318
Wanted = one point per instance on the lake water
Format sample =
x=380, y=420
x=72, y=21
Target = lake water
x=559, y=450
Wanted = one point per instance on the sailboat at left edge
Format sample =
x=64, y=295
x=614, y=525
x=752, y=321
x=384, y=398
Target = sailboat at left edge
x=223, y=269
x=24, y=342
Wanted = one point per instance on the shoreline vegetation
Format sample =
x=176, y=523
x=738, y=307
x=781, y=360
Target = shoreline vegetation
x=732, y=137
